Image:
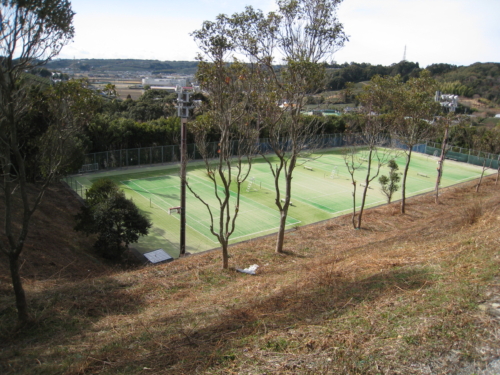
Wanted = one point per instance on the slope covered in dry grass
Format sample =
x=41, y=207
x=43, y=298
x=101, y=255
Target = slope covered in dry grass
x=400, y=296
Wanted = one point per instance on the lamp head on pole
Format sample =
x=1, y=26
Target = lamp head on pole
x=184, y=104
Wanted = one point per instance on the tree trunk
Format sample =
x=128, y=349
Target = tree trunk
x=225, y=256
x=353, y=219
x=21, y=304
x=284, y=209
x=281, y=233
x=363, y=200
x=441, y=163
x=365, y=190
x=403, y=184
x=481, y=178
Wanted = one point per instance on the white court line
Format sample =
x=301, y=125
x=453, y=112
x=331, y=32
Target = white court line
x=147, y=178
x=249, y=201
x=149, y=193
x=268, y=211
x=307, y=201
x=174, y=216
x=263, y=231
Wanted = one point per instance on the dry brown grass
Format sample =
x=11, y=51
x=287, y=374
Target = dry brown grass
x=396, y=297
x=472, y=212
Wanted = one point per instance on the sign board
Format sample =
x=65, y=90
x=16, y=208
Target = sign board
x=158, y=256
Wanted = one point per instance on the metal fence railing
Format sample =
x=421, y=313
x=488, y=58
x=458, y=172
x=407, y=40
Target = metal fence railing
x=75, y=186
x=171, y=154
x=465, y=155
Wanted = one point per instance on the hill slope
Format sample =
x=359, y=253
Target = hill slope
x=401, y=295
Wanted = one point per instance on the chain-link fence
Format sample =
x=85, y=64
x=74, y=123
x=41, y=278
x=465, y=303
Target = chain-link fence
x=75, y=186
x=147, y=156
x=465, y=155
x=171, y=154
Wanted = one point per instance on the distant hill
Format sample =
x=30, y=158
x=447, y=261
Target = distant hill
x=481, y=79
x=124, y=65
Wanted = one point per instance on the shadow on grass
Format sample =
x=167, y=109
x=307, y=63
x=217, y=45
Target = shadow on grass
x=324, y=296
x=60, y=313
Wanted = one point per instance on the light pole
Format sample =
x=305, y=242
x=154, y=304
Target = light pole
x=183, y=106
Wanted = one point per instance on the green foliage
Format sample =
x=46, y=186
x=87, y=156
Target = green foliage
x=389, y=184
x=478, y=138
x=110, y=90
x=33, y=32
x=112, y=216
x=353, y=72
x=71, y=106
x=146, y=122
x=101, y=190
x=456, y=88
x=52, y=130
x=478, y=78
x=440, y=68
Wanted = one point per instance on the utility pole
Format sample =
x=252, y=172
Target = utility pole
x=183, y=107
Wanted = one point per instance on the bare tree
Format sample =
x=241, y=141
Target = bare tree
x=353, y=162
x=304, y=33
x=228, y=88
x=444, y=123
x=413, y=108
x=478, y=143
x=32, y=32
x=495, y=138
x=373, y=131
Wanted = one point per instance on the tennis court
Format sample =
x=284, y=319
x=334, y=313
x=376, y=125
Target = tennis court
x=321, y=189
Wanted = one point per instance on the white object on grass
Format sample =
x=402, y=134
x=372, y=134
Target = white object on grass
x=250, y=270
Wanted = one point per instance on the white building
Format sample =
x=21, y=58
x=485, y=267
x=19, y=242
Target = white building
x=167, y=81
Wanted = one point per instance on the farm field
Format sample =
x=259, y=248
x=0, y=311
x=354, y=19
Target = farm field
x=122, y=86
x=321, y=189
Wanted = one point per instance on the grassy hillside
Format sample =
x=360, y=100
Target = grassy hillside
x=408, y=294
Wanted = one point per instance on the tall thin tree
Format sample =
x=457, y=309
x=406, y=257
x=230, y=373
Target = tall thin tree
x=228, y=86
x=304, y=34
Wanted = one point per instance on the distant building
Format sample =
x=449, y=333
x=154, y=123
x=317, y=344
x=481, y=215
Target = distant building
x=350, y=109
x=322, y=112
x=167, y=81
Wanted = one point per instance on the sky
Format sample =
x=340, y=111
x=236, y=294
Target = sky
x=459, y=32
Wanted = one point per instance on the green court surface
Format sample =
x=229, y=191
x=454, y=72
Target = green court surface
x=321, y=189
